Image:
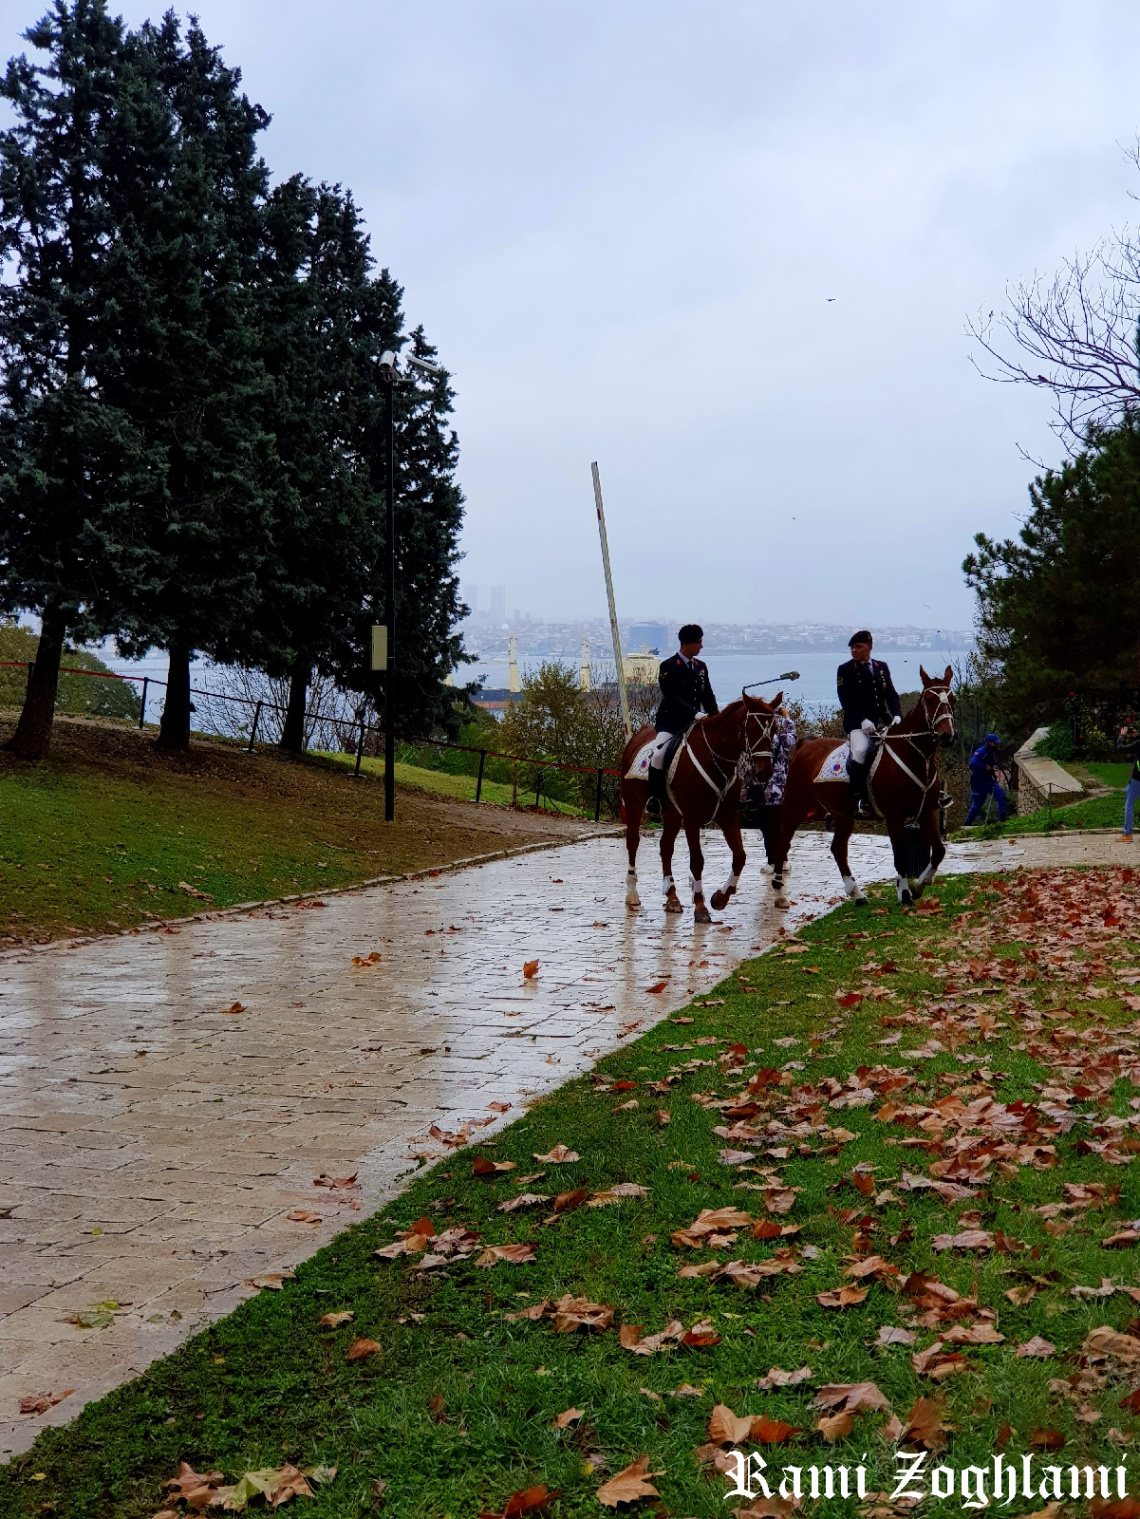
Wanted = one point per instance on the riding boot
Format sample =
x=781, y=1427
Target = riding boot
x=654, y=807
x=857, y=775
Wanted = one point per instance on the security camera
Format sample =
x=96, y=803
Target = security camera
x=427, y=365
x=388, y=365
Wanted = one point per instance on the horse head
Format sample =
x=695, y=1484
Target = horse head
x=758, y=733
x=936, y=704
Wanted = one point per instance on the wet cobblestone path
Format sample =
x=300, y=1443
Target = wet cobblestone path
x=169, y=1098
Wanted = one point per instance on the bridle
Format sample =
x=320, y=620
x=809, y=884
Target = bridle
x=759, y=732
x=943, y=709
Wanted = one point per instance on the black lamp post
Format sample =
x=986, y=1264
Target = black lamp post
x=389, y=374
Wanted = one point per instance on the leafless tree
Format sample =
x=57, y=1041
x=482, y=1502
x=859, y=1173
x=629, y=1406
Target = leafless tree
x=332, y=716
x=1073, y=333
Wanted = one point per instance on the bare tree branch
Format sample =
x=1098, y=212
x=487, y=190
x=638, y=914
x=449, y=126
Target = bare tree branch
x=1074, y=334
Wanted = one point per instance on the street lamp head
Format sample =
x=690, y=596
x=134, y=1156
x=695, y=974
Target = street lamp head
x=387, y=366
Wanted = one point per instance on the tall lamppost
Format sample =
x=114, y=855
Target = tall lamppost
x=389, y=375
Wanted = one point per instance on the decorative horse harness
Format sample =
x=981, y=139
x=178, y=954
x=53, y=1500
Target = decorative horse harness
x=759, y=728
x=932, y=719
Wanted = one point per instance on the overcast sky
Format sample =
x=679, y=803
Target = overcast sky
x=727, y=249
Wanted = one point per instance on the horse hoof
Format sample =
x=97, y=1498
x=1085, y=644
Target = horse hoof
x=782, y=901
x=701, y=914
x=673, y=904
x=719, y=901
x=633, y=904
x=916, y=889
x=860, y=899
x=905, y=899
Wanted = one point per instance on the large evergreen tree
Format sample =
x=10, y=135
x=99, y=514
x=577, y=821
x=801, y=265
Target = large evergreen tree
x=191, y=374
x=318, y=344
x=71, y=460
x=1058, y=607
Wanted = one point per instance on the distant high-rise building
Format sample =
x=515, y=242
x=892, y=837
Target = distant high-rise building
x=471, y=597
x=498, y=603
x=653, y=636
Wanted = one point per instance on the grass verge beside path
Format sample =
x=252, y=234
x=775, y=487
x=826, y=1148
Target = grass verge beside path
x=937, y=1107
x=445, y=783
x=109, y=831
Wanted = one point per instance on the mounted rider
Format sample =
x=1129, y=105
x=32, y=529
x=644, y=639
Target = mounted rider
x=870, y=702
x=686, y=696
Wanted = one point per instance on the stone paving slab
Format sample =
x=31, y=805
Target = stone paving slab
x=153, y=1142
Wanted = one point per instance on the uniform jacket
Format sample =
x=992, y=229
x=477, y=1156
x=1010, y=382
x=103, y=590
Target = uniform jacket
x=866, y=690
x=983, y=763
x=685, y=692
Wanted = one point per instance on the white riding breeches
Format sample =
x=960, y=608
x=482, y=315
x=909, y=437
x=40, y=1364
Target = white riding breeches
x=860, y=743
x=657, y=755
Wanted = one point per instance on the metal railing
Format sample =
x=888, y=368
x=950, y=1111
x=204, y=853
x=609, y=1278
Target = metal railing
x=361, y=729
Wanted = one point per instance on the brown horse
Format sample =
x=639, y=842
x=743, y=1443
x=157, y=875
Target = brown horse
x=702, y=786
x=903, y=785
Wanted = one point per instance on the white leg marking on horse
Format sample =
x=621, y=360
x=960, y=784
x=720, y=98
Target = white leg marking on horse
x=666, y=886
x=927, y=876
x=695, y=883
x=631, y=897
x=730, y=884
x=850, y=885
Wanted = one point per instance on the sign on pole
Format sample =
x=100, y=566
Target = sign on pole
x=379, y=647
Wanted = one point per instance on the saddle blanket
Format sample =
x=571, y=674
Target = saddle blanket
x=639, y=769
x=834, y=767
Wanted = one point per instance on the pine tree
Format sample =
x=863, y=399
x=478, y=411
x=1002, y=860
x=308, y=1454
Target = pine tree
x=191, y=377
x=318, y=349
x=1058, y=609
x=70, y=461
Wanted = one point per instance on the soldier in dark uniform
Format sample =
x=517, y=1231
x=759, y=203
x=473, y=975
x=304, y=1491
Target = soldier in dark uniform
x=686, y=695
x=869, y=701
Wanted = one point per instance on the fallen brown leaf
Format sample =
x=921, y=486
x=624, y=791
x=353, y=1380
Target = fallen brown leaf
x=1038, y=1348
x=629, y=1484
x=559, y=1156
x=514, y=1255
x=331, y=1320
x=530, y=969
x=41, y=1402
x=727, y=1428
x=567, y=1417
x=363, y=1347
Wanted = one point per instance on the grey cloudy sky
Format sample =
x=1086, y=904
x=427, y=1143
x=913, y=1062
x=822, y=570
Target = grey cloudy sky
x=622, y=220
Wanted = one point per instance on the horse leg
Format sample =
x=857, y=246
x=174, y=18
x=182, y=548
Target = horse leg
x=839, y=841
x=634, y=795
x=732, y=838
x=902, y=884
x=781, y=847
x=932, y=835
x=670, y=827
x=701, y=913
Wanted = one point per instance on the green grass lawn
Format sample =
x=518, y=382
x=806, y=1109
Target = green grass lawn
x=1111, y=774
x=109, y=831
x=444, y=783
x=857, y=1073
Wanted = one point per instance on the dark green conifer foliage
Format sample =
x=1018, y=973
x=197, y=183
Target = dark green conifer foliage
x=1058, y=608
x=318, y=345
x=70, y=459
x=194, y=382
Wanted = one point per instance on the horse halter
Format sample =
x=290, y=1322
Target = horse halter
x=766, y=723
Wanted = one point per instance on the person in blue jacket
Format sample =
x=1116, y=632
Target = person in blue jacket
x=1128, y=742
x=983, y=779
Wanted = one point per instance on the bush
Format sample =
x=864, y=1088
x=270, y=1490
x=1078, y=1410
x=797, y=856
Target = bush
x=79, y=695
x=1058, y=742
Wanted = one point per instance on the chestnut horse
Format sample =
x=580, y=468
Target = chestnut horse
x=904, y=788
x=702, y=786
